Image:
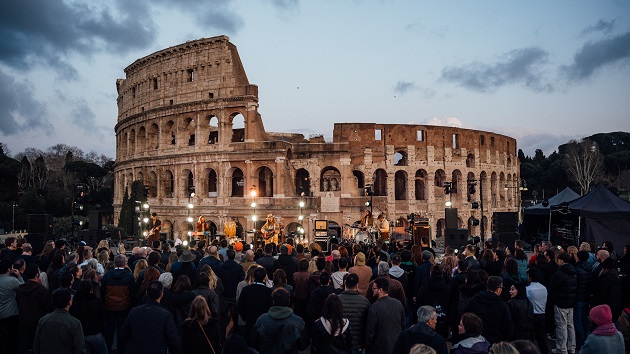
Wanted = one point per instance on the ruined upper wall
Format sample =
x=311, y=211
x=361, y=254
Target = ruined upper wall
x=199, y=70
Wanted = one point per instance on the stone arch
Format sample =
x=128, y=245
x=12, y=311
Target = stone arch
x=380, y=183
x=302, y=182
x=152, y=184
x=141, y=140
x=440, y=226
x=456, y=179
x=153, y=137
x=213, y=185
x=124, y=143
x=237, y=121
x=132, y=142
x=472, y=229
x=187, y=131
x=330, y=179
x=210, y=129
x=470, y=161
x=168, y=134
x=140, y=177
x=400, y=158
x=168, y=184
x=440, y=178
x=167, y=227
x=189, y=182
x=359, y=181
x=470, y=196
x=265, y=181
x=400, y=185
x=509, y=163
x=503, y=189
x=237, y=185
x=513, y=187
x=420, y=184
x=494, y=188
x=291, y=230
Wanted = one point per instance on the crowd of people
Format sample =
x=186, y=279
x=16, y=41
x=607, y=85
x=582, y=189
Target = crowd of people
x=383, y=298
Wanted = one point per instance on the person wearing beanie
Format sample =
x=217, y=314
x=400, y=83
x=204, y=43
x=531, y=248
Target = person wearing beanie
x=605, y=338
x=363, y=271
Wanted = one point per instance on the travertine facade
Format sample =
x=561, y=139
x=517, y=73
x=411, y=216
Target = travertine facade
x=188, y=118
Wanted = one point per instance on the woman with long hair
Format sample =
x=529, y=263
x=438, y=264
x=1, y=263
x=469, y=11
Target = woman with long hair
x=436, y=293
x=509, y=276
x=88, y=308
x=332, y=332
x=280, y=281
x=202, y=333
x=103, y=258
x=149, y=275
x=53, y=270
x=523, y=263
x=179, y=300
x=141, y=265
x=522, y=312
x=469, y=334
x=171, y=259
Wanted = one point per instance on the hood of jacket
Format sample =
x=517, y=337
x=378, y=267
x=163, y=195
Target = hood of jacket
x=422, y=330
x=472, y=290
x=280, y=312
x=396, y=271
x=488, y=298
x=28, y=288
x=568, y=268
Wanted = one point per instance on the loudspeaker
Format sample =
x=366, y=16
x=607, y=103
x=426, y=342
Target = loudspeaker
x=456, y=238
x=91, y=237
x=40, y=224
x=452, y=221
x=94, y=219
x=506, y=238
x=505, y=222
x=419, y=231
x=37, y=241
x=323, y=244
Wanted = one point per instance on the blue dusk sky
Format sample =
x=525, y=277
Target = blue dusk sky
x=543, y=72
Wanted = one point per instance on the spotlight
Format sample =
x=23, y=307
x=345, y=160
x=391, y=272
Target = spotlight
x=301, y=217
x=185, y=243
x=145, y=220
x=190, y=205
x=254, y=217
x=190, y=219
x=253, y=204
x=448, y=204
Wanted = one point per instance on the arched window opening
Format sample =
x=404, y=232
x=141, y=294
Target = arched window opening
x=265, y=182
x=190, y=184
x=420, y=180
x=212, y=184
x=380, y=183
x=440, y=178
x=400, y=158
x=400, y=185
x=169, y=184
x=470, y=161
x=359, y=181
x=132, y=142
x=169, y=133
x=142, y=139
x=238, y=183
x=153, y=137
x=330, y=180
x=213, y=134
x=152, y=183
x=472, y=187
x=238, y=128
x=456, y=179
x=302, y=183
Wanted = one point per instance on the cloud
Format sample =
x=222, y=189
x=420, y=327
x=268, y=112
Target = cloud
x=18, y=109
x=285, y=4
x=403, y=87
x=600, y=26
x=596, y=55
x=214, y=14
x=520, y=66
x=445, y=121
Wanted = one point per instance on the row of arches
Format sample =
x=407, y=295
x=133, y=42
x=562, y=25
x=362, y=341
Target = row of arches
x=183, y=132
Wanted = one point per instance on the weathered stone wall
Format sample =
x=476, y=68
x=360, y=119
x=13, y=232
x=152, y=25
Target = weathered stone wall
x=177, y=128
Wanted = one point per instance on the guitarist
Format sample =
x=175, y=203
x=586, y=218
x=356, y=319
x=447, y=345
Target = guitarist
x=154, y=234
x=270, y=230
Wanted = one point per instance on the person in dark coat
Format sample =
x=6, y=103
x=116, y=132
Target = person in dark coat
x=231, y=273
x=522, y=312
x=255, y=300
x=213, y=301
x=470, y=341
x=202, y=333
x=33, y=302
x=423, y=271
x=89, y=309
x=58, y=331
x=187, y=266
x=318, y=296
x=421, y=333
x=584, y=273
x=437, y=294
x=493, y=311
x=385, y=321
x=355, y=309
x=287, y=263
x=332, y=333
x=149, y=327
x=178, y=301
x=609, y=290
x=563, y=288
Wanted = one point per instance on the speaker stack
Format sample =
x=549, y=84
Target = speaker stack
x=456, y=238
x=40, y=229
x=452, y=220
x=321, y=234
x=505, y=227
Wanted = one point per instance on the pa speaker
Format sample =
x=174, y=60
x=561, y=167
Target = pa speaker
x=37, y=241
x=506, y=238
x=91, y=237
x=419, y=231
x=452, y=221
x=323, y=244
x=94, y=219
x=456, y=238
x=40, y=224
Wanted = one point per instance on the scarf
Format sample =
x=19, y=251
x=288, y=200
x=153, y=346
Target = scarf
x=607, y=329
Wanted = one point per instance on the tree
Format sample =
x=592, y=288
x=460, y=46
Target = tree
x=583, y=163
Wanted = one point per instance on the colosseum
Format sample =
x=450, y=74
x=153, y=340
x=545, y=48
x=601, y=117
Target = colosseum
x=188, y=121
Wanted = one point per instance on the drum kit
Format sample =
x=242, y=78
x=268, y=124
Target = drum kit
x=357, y=235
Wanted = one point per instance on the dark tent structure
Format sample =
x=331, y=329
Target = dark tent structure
x=605, y=217
x=566, y=195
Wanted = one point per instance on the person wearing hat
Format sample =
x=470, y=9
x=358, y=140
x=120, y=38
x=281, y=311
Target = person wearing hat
x=605, y=338
x=396, y=289
x=270, y=230
x=238, y=248
x=364, y=272
x=187, y=266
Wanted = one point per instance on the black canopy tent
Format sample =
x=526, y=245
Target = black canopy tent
x=566, y=195
x=605, y=217
x=537, y=225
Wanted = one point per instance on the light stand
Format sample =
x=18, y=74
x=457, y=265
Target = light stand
x=191, y=206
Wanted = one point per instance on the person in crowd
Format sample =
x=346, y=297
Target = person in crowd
x=33, y=301
x=331, y=332
x=248, y=260
x=522, y=312
x=287, y=263
x=254, y=300
x=267, y=260
x=280, y=281
x=116, y=293
x=471, y=340
x=187, y=267
x=202, y=288
x=212, y=259
x=58, y=262
x=59, y=332
x=148, y=276
x=608, y=288
x=364, y=272
x=10, y=280
x=423, y=271
x=179, y=299
x=503, y=348
x=605, y=338
x=202, y=333
x=510, y=275
x=301, y=288
x=139, y=267
x=150, y=328
x=230, y=273
x=563, y=287
x=385, y=320
x=355, y=308
x=396, y=289
x=279, y=319
x=437, y=293
x=584, y=274
x=319, y=296
x=89, y=309
x=493, y=311
x=537, y=295
x=338, y=276
x=421, y=333
x=624, y=326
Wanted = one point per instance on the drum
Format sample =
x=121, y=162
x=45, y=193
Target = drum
x=350, y=233
x=230, y=229
x=373, y=231
x=361, y=236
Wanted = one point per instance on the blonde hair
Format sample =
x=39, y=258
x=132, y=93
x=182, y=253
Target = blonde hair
x=422, y=349
x=199, y=310
x=140, y=266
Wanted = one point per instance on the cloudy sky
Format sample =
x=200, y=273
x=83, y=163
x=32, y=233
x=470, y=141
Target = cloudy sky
x=542, y=71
